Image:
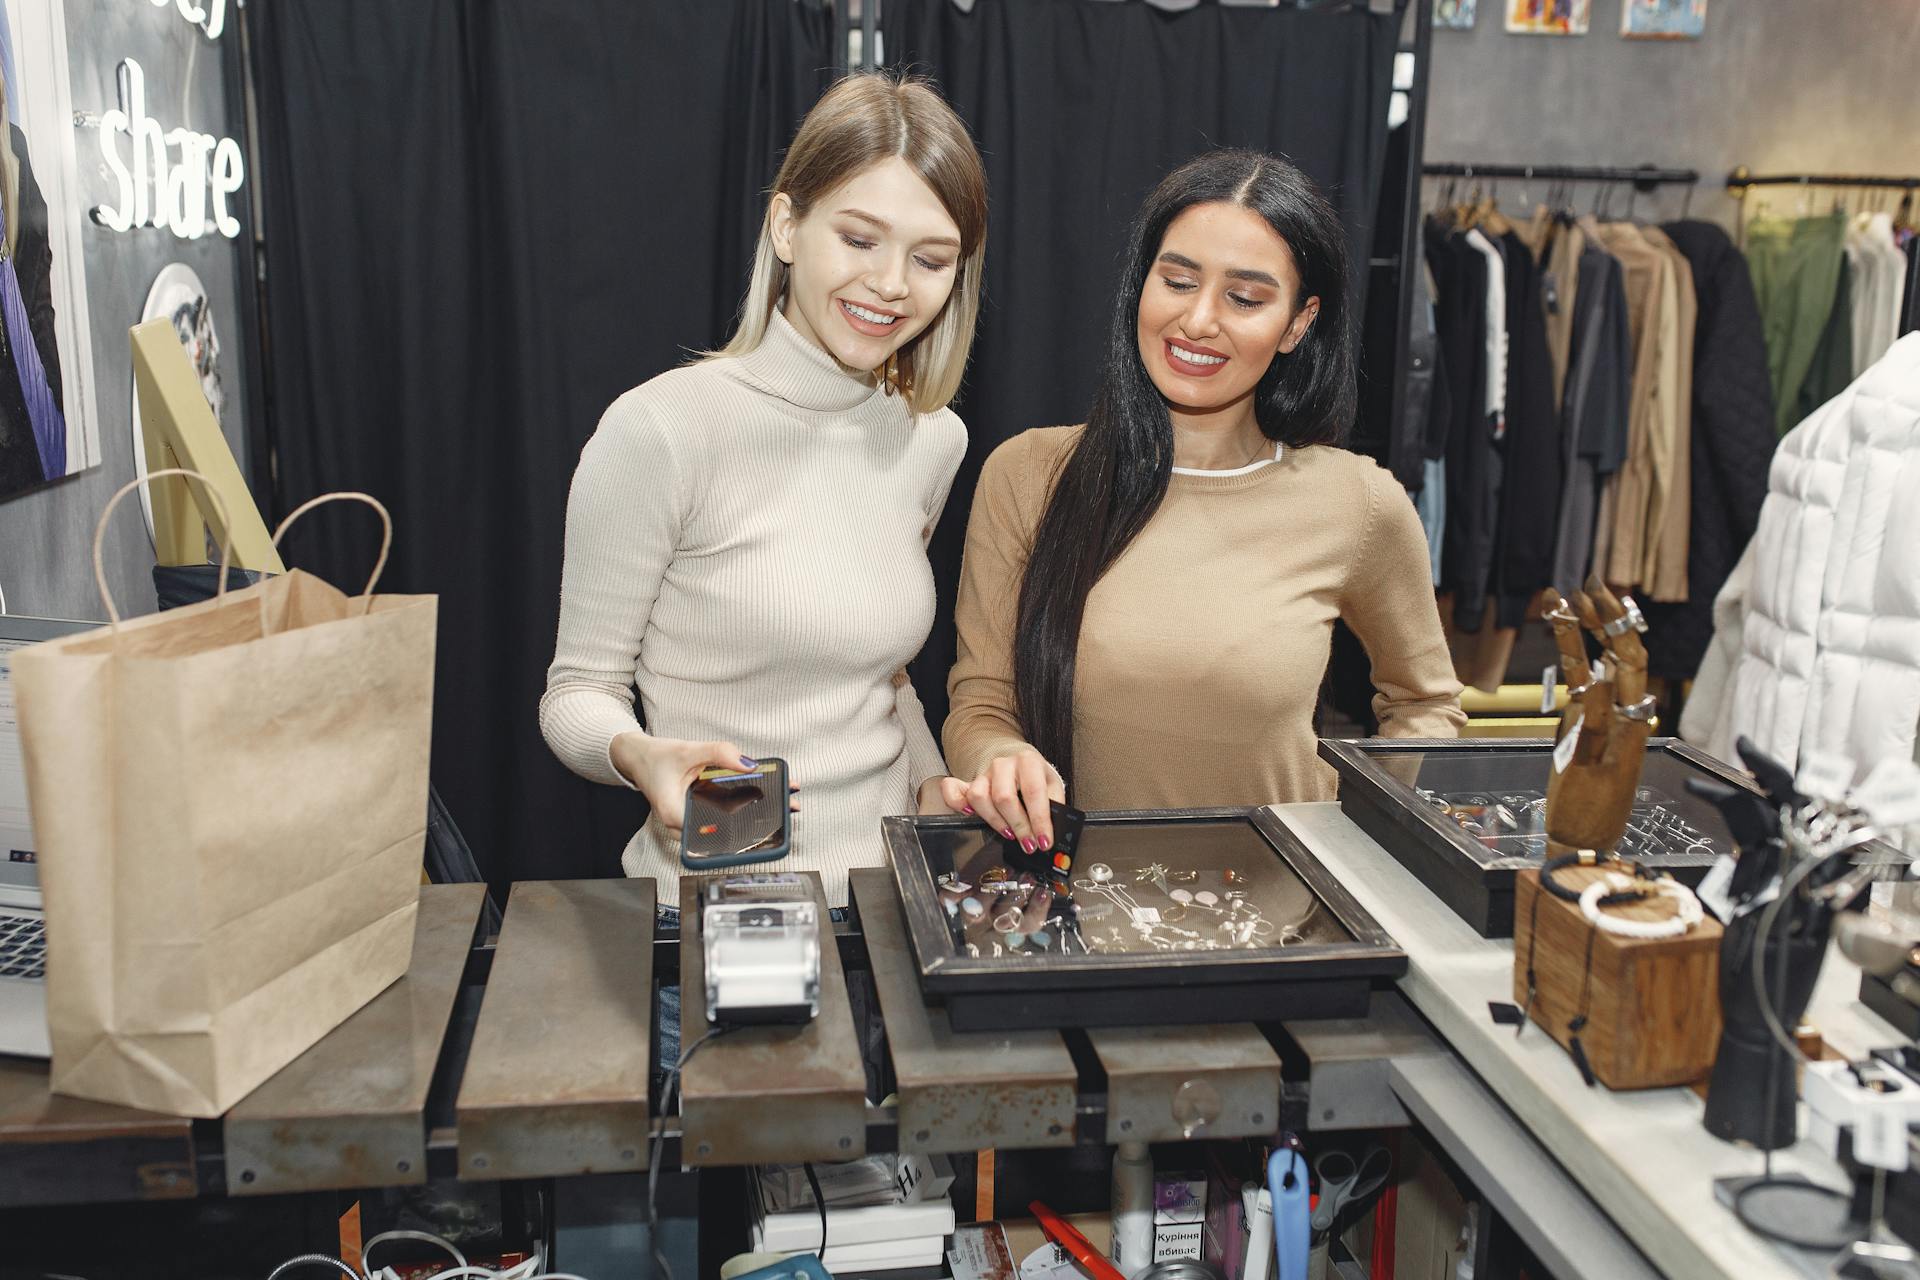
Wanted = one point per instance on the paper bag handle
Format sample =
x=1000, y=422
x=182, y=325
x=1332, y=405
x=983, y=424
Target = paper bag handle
x=379, y=566
x=100, y=534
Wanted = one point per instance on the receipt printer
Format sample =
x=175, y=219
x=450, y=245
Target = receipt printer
x=760, y=937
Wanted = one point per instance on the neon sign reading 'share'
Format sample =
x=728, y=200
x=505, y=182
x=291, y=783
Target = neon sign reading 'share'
x=210, y=17
x=179, y=179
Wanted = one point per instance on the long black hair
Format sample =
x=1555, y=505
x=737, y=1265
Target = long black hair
x=1118, y=472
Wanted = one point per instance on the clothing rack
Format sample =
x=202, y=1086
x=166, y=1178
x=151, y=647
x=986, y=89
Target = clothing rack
x=1644, y=177
x=1739, y=180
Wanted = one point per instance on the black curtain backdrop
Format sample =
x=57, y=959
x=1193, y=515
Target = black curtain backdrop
x=1079, y=108
x=483, y=223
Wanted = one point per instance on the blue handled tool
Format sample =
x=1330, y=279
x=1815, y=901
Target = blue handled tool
x=1292, y=1229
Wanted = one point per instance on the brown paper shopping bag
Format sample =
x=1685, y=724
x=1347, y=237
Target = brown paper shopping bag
x=230, y=804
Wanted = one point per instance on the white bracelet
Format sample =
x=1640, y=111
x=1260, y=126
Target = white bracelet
x=1690, y=913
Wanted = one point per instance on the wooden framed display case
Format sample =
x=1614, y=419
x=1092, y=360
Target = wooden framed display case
x=1167, y=917
x=1467, y=814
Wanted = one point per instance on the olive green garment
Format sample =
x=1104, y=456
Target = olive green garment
x=1832, y=369
x=1796, y=272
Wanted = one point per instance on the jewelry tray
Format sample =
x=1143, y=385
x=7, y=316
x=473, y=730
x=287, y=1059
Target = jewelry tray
x=1393, y=789
x=1182, y=916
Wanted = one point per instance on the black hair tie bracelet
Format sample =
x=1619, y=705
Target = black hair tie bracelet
x=1587, y=858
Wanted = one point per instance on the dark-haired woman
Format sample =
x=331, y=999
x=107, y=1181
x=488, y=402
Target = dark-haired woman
x=1147, y=601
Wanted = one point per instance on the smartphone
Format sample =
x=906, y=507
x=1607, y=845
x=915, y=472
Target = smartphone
x=737, y=816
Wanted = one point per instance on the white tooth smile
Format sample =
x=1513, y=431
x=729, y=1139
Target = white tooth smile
x=871, y=317
x=1194, y=357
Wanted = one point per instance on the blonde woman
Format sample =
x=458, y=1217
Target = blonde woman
x=746, y=535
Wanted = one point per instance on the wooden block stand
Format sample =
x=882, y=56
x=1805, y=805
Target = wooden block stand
x=1652, y=1005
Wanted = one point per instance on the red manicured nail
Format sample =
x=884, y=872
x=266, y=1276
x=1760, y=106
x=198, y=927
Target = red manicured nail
x=966, y=809
x=1008, y=833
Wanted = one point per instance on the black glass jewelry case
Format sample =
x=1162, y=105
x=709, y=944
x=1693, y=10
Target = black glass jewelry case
x=1466, y=814
x=1170, y=917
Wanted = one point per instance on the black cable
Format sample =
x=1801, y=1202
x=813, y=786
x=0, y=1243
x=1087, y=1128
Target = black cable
x=819, y=1198
x=660, y=1142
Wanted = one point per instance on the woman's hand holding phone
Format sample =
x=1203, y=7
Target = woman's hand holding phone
x=1011, y=796
x=663, y=768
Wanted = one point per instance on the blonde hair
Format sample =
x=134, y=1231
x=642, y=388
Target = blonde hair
x=859, y=122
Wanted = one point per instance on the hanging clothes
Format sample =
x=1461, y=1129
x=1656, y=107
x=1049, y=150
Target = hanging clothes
x=1879, y=287
x=1632, y=548
x=1434, y=398
x=1594, y=417
x=1665, y=575
x=1557, y=245
x=1831, y=370
x=1529, y=454
x=1472, y=498
x=1816, y=646
x=1732, y=443
x=1530, y=490
x=1795, y=266
x=1495, y=330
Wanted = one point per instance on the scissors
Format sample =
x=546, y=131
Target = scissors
x=1342, y=1182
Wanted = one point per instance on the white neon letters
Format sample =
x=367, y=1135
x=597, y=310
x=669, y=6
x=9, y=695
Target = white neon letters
x=179, y=179
x=210, y=17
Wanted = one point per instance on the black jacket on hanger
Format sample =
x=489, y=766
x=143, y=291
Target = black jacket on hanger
x=1460, y=310
x=1733, y=443
x=1530, y=475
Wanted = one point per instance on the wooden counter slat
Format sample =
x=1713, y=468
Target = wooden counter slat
x=959, y=1091
x=557, y=1079
x=769, y=1095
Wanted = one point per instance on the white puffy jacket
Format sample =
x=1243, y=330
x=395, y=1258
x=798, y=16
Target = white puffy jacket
x=1816, y=644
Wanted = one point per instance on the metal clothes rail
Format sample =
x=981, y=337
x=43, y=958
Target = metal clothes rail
x=1644, y=177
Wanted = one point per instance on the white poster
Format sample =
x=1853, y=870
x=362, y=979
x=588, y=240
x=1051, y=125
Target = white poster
x=48, y=426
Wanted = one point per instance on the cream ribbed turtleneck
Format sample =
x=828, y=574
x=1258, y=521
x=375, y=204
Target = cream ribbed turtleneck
x=746, y=544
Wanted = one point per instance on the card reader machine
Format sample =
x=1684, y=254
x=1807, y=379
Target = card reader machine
x=760, y=937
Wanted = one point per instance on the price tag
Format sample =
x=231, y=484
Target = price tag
x=1824, y=776
x=1549, y=685
x=1146, y=915
x=1712, y=890
x=1563, y=751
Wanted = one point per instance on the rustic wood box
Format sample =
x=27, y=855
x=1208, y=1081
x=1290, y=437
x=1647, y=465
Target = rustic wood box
x=1652, y=1005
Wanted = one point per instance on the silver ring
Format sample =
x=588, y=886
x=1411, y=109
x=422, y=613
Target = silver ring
x=1631, y=620
x=1642, y=711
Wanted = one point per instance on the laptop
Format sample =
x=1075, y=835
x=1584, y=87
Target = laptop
x=23, y=939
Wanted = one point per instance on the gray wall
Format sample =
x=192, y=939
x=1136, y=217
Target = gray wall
x=1825, y=86
x=46, y=536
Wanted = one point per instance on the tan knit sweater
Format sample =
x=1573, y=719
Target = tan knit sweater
x=1203, y=647
x=746, y=543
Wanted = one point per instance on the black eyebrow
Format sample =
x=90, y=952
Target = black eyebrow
x=1236, y=273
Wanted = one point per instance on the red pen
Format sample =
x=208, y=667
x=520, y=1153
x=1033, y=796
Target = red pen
x=1061, y=1232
